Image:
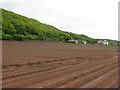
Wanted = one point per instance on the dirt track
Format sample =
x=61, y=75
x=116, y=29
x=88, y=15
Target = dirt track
x=59, y=65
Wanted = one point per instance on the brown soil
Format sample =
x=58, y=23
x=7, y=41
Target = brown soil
x=35, y=64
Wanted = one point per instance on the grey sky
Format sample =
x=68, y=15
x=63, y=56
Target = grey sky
x=94, y=18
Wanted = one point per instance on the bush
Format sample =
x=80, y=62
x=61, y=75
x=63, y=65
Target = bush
x=19, y=37
x=7, y=37
x=31, y=37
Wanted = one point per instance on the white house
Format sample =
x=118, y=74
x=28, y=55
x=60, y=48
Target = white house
x=103, y=42
x=84, y=42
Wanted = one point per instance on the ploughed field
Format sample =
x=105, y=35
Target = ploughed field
x=35, y=64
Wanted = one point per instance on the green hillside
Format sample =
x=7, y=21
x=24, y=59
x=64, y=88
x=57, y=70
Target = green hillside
x=18, y=27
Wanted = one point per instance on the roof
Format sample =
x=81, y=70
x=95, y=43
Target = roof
x=72, y=40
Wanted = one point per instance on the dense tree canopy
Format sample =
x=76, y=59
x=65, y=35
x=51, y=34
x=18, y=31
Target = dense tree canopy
x=18, y=27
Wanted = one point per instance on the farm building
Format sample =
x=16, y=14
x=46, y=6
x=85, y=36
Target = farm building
x=103, y=42
x=73, y=41
x=76, y=41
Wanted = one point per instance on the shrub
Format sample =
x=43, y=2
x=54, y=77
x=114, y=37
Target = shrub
x=7, y=37
x=19, y=37
x=31, y=37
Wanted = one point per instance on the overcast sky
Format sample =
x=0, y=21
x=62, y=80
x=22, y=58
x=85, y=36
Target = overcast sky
x=94, y=18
